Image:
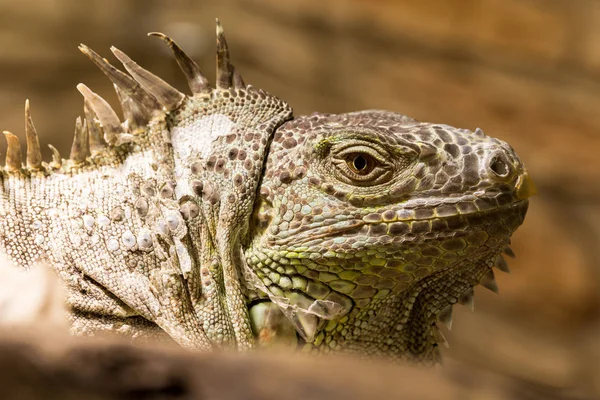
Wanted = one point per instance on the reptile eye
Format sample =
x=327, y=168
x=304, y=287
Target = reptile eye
x=361, y=163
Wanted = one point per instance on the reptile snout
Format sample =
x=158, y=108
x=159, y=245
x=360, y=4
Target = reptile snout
x=503, y=166
x=499, y=167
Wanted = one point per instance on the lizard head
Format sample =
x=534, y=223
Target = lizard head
x=370, y=225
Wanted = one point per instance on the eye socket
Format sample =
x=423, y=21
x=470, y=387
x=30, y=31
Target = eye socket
x=361, y=163
x=360, y=160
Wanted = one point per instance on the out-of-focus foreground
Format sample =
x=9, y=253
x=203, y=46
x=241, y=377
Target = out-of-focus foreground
x=39, y=360
x=525, y=71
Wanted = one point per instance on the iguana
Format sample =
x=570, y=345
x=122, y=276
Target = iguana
x=222, y=220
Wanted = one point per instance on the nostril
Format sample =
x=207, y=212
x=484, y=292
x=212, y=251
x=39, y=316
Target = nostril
x=499, y=167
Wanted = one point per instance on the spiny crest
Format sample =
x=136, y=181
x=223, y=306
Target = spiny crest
x=169, y=97
x=109, y=121
x=143, y=96
x=96, y=135
x=81, y=145
x=34, y=155
x=467, y=298
x=196, y=80
x=14, y=160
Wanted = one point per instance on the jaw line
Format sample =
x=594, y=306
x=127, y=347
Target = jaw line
x=295, y=238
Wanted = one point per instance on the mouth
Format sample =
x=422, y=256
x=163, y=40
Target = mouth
x=423, y=216
x=437, y=220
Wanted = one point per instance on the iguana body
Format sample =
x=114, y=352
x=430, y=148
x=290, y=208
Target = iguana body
x=360, y=228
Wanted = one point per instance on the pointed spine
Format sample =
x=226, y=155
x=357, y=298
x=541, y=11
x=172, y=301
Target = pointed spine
x=135, y=115
x=169, y=97
x=468, y=299
x=445, y=316
x=14, y=160
x=56, y=158
x=238, y=81
x=80, y=149
x=439, y=337
x=123, y=81
x=96, y=137
x=197, y=82
x=509, y=252
x=224, y=67
x=488, y=281
x=34, y=154
x=502, y=265
x=106, y=115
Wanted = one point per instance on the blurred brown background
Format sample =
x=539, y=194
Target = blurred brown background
x=526, y=71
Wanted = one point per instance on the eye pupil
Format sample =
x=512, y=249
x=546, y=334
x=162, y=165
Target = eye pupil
x=360, y=163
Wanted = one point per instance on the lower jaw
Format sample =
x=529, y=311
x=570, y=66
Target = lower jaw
x=401, y=326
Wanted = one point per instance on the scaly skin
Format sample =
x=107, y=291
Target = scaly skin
x=220, y=220
x=379, y=255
